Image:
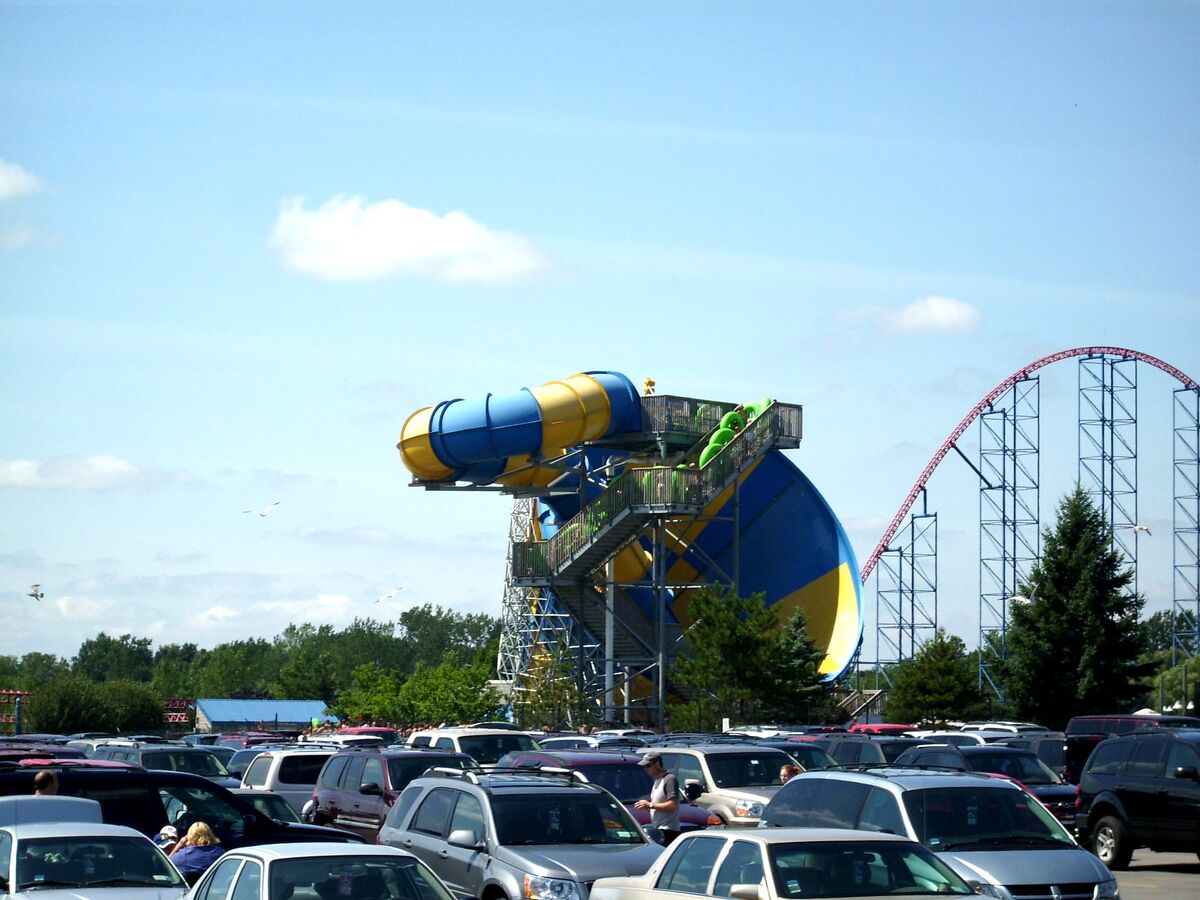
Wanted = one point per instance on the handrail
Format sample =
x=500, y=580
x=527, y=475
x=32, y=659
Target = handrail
x=657, y=486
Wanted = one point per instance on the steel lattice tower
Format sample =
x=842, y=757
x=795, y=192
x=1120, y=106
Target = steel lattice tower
x=1009, y=507
x=1185, y=592
x=906, y=592
x=1108, y=445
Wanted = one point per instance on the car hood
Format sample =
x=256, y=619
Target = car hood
x=581, y=862
x=759, y=792
x=1070, y=865
x=1052, y=793
x=286, y=832
x=102, y=893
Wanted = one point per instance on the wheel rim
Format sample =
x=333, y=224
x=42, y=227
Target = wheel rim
x=1105, y=844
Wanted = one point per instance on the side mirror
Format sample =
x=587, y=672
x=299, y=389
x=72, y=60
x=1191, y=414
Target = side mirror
x=371, y=789
x=692, y=789
x=237, y=773
x=654, y=833
x=749, y=892
x=1188, y=772
x=464, y=837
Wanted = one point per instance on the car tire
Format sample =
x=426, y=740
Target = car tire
x=1110, y=842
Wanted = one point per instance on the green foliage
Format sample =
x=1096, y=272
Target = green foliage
x=130, y=707
x=103, y=658
x=173, y=670
x=371, y=697
x=795, y=690
x=1074, y=649
x=938, y=684
x=448, y=693
x=549, y=695
x=67, y=704
x=242, y=669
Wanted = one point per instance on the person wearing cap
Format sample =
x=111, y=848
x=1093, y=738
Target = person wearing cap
x=664, y=797
x=166, y=838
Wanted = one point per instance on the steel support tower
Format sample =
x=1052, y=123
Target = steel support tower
x=1185, y=528
x=906, y=592
x=1009, y=507
x=1108, y=445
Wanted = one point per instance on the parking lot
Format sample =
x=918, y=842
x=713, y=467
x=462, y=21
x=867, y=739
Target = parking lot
x=1161, y=876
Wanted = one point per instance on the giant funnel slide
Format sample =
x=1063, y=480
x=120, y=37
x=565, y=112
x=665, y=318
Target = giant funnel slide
x=789, y=545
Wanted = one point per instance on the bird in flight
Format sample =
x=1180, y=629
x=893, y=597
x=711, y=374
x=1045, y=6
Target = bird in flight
x=35, y=591
x=265, y=511
x=388, y=595
x=1138, y=529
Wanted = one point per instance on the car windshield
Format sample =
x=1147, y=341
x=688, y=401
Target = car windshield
x=88, y=860
x=205, y=763
x=273, y=807
x=1025, y=768
x=996, y=817
x=487, y=749
x=578, y=817
x=403, y=770
x=860, y=869
x=381, y=877
x=732, y=770
x=626, y=781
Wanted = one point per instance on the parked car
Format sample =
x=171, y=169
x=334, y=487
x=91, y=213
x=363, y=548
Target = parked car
x=356, y=787
x=787, y=863
x=1048, y=745
x=732, y=781
x=988, y=830
x=269, y=804
x=147, y=800
x=1021, y=765
x=846, y=748
x=615, y=771
x=1141, y=790
x=290, y=773
x=171, y=758
x=484, y=745
x=287, y=871
x=514, y=835
x=58, y=847
x=882, y=728
x=807, y=756
x=1084, y=734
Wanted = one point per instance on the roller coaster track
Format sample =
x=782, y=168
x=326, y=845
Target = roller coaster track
x=982, y=406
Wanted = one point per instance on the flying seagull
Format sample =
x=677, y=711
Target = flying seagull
x=265, y=511
x=35, y=591
x=388, y=595
x=1138, y=529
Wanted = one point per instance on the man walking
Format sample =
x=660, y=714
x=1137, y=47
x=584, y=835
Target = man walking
x=664, y=797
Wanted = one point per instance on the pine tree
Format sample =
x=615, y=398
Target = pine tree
x=938, y=684
x=1073, y=645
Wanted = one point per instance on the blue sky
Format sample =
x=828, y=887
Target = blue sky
x=241, y=242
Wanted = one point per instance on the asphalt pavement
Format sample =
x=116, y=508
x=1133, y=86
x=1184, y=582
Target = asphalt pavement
x=1161, y=876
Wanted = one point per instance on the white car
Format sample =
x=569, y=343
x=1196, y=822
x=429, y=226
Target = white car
x=319, y=872
x=787, y=863
x=55, y=848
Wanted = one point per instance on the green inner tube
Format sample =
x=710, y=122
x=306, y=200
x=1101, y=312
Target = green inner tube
x=721, y=437
x=733, y=420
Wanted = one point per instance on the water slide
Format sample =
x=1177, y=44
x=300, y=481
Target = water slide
x=789, y=544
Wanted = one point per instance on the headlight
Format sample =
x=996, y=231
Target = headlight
x=748, y=808
x=986, y=890
x=1107, y=890
x=539, y=887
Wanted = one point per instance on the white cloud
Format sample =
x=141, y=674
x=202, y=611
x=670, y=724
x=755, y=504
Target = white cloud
x=82, y=473
x=16, y=182
x=929, y=315
x=350, y=239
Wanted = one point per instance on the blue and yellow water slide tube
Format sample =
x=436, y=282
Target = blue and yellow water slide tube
x=789, y=545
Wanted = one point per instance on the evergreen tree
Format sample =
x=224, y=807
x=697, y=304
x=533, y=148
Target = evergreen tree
x=1073, y=647
x=795, y=690
x=938, y=684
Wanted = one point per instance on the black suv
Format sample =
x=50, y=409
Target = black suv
x=357, y=787
x=1141, y=790
x=171, y=758
x=148, y=800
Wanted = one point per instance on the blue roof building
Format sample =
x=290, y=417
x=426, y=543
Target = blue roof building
x=258, y=715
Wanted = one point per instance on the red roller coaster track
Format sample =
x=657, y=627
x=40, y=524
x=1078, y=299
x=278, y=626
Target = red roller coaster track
x=1021, y=373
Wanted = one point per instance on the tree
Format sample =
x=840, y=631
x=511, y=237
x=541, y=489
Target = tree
x=371, y=696
x=239, y=669
x=67, y=704
x=38, y=669
x=103, y=658
x=938, y=684
x=130, y=707
x=448, y=693
x=1073, y=649
x=173, y=670
x=309, y=673
x=549, y=694
x=795, y=689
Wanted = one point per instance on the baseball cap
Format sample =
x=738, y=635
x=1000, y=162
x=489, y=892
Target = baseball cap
x=166, y=835
x=650, y=759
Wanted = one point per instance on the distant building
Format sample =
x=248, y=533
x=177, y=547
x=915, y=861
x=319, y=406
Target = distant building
x=258, y=715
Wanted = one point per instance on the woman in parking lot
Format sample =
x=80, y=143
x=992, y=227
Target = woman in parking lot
x=196, y=851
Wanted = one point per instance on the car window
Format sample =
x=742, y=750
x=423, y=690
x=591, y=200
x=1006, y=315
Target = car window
x=949, y=817
x=444, y=743
x=421, y=741
x=249, y=882
x=302, y=768
x=881, y=812
x=686, y=768
x=256, y=775
x=352, y=777
x=433, y=812
x=689, y=868
x=373, y=772
x=808, y=870
x=400, y=808
x=468, y=816
x=731, y=770
x=569, y=817
x=625, y=781
x=1147, y=761
x=217, y=886
x=402, y=770
x=1107, y=758
x=486, y=749
x=332, y=773
x=818, y=803
x=187, y=804
x=742, y=865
